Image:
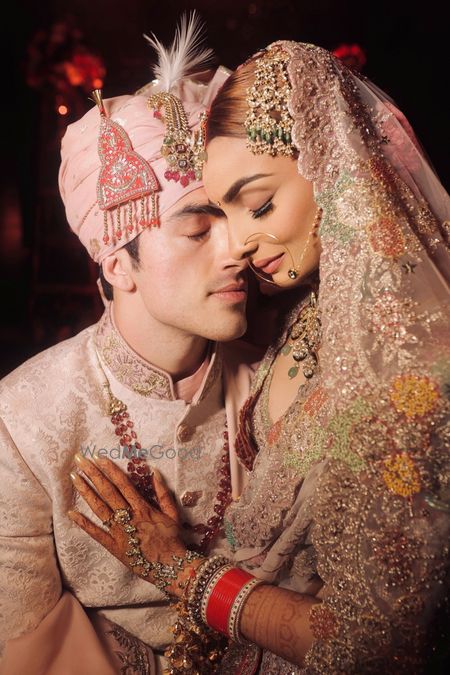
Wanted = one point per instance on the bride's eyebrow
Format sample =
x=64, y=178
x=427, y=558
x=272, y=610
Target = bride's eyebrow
x=237, y=186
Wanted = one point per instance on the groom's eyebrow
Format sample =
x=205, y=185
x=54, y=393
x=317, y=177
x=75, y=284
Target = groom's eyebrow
x=237, y=186
x=202, y=209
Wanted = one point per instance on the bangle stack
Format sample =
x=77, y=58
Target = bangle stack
x=196, y=648
x=218, y=594
x=204, y=573
x=209, y=615
x=225, y=599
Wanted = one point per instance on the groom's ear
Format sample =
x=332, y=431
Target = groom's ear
x=118, y=271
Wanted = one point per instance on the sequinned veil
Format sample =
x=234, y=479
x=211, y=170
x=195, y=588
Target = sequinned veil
x=359, y=479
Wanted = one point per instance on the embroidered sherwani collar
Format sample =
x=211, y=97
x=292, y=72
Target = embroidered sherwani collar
x=138, y=374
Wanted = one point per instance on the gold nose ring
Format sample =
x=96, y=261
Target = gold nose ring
x=276, y=240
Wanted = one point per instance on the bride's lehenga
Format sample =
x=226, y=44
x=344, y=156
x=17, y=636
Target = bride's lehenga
x=348, y=493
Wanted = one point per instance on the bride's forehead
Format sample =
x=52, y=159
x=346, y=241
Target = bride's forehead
x=230, y=156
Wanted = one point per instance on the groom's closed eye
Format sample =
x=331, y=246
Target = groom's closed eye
x=203, y=209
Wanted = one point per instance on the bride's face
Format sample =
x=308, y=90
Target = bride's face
x=269, y=207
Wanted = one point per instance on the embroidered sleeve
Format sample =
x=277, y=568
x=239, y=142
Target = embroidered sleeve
x=381, y=536
x=30, y=583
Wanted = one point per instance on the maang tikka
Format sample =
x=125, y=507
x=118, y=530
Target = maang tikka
x=125, y=177
x=268, y=123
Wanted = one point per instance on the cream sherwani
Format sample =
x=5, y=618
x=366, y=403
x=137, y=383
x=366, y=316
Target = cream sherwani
x=56, y=404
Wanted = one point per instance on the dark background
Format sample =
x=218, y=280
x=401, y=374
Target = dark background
x=47, y=284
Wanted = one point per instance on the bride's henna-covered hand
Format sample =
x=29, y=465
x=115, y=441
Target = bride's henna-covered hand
x=274, y=618
x=157, y=531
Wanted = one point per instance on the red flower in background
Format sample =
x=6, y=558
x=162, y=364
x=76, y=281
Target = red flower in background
x=84, y=70
x=59, y=63
x=353, y=56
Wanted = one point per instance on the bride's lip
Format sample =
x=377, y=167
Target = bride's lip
x=269, y=265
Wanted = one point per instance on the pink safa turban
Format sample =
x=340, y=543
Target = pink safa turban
x=80, y=161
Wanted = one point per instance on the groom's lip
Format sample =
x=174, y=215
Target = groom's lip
x=235, y=292
x=269, y=265
x=237, y=286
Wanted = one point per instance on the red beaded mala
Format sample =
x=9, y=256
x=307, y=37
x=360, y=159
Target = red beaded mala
x=141, y=474
x=137, y=468
x=223, y=499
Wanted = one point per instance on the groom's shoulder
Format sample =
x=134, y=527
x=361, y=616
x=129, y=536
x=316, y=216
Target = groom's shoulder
x=56, y=364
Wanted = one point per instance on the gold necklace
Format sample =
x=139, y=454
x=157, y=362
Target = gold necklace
x=303, y=340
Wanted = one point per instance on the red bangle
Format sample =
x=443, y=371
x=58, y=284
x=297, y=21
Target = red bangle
x=222, y=597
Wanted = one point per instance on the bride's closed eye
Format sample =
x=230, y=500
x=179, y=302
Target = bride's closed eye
x=267, y=207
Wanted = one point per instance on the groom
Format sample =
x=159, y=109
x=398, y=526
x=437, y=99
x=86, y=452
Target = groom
x=149, y=374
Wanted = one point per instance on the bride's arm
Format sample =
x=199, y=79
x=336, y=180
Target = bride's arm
x=278, y=620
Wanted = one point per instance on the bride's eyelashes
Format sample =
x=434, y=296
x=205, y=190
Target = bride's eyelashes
x=266, y=208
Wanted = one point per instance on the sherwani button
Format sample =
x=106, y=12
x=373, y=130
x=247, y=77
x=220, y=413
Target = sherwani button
x=191, y=499
x=185, y=433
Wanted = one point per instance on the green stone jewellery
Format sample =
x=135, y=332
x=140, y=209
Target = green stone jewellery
x=268, y=123
x=303, y=340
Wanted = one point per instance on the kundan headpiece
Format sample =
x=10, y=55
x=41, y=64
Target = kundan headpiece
x=123, y=168
x=268, y=122
x=184, y=150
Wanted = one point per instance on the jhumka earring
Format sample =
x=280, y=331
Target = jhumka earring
x=183, y=150
x=124, y=177
x=268, y=123
x=303, y=340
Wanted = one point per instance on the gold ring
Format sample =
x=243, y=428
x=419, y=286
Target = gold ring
x=122, y=516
